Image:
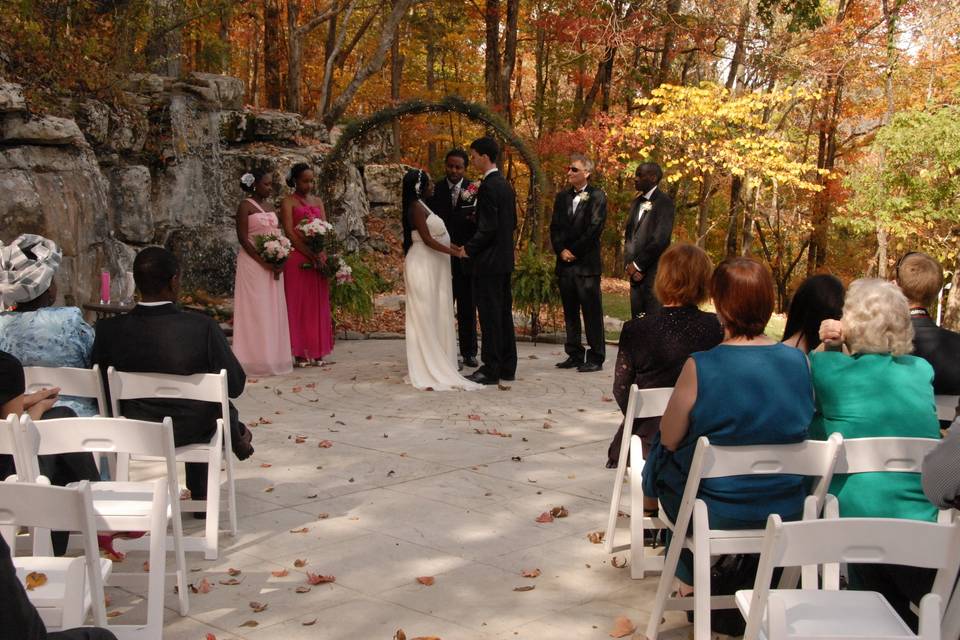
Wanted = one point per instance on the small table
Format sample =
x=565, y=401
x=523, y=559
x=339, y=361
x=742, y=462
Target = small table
x=108, y=309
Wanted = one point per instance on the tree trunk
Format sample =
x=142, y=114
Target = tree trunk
x=703, y=210
x=826, y=160
x=602, y=78
x=733, y=224
x=509, y=61
x=271, y=53
x=542, y=68
x=164, y=42
x=666, y=56
x=294, y=57
x=396, y=72
x=740, y=48
x=491, y=64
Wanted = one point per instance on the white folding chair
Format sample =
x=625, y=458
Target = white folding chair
x=74, y=586
x=813, y=614
x=951, y=619
x=811, y=458
x=642, y=403
x=123, y=506
x=209, y=387
x=82, y=383
x=947, y=406
x=8, y=440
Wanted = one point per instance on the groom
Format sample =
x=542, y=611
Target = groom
x=491, y=251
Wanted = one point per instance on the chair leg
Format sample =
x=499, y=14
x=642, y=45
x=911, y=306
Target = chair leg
x=212, y=530
x=664, y=585
x=157, y=578
x=701, y=575
x=231, y=493
x=637, y=552
x=617, y=495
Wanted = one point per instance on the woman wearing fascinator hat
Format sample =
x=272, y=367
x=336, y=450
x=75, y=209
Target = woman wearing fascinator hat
x=261, y=336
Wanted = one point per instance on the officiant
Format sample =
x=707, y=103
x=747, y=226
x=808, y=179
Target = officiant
x=579, y=213
x=455, y=201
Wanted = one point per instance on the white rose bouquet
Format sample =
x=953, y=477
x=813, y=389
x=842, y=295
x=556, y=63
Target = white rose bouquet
x=315, y=232
x=274, y=249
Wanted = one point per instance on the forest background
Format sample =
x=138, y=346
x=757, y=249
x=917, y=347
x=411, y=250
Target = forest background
x=816, y=135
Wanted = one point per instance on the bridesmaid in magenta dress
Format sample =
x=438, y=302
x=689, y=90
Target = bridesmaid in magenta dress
x=308, y=292
x=261, y=336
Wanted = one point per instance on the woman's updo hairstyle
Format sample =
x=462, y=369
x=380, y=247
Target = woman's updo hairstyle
x=295, y=172
x=249, y=180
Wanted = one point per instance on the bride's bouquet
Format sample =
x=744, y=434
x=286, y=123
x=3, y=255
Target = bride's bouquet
x=315, y=232
x=274, y=249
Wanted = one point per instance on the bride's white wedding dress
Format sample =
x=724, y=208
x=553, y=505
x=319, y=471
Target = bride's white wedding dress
x=431, y=335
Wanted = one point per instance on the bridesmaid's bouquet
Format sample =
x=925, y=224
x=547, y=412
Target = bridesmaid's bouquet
x=315, y=232
x=274, y=249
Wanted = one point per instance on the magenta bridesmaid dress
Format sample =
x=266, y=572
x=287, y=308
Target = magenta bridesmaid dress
x=308, y=298
x=261, y=336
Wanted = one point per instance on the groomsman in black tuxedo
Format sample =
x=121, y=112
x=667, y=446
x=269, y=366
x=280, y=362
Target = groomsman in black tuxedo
x=455, y=201
x=579, y=214
x=491, y=250
x=649, y=228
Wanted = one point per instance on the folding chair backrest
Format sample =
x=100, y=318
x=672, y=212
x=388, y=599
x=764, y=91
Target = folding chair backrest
x=865, y=455
x=102, y=435
x=8, y=443
x=651, y=403
x=947, y=406
x=209, y=387
x=83, y=383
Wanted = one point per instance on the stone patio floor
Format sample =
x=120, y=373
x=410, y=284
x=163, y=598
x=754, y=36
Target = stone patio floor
x=409, y=488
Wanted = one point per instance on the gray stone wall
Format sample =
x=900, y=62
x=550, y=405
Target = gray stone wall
x=162, y=166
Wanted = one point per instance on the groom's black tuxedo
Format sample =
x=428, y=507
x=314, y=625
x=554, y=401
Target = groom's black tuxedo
x=491, y=249
x=644, y=244
x=461, y=221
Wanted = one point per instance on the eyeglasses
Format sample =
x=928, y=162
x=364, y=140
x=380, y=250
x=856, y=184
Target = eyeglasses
x=573, y=170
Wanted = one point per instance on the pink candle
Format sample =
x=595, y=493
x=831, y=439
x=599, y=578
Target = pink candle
x=105, y=287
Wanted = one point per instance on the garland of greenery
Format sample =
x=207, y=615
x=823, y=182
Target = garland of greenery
x=455, y=104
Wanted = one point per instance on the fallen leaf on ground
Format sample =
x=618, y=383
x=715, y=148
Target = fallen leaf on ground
x=210, y=636
x=259, y=606
x=323, y=516
x=309, y=623
x=253, y=380
x=299, y=563
x=559, y=512
x=325, y=444
x=503, y=387
x=233, y=572
x=300, y=530
x=311, y=385
x=302, y=589
x=546, y=425
x=204, y=586
x=265, y=420
x=517, y=459
x=545, y=517
x=426, y=580
x=497, y=432
x=114, y=613
x=231, y=582
x=268, y=490
x=314, y=578
x=35, y=579
x=311, y=496
x=399, y=635
x=622, y=514
x=596, y=537
x=526, y=587
x=622, y=627
x=530, y=573
x=280, y=573
x=106, y=600
x=617, y=563
x=606, y=399
x=369, y=417
x=250, y=623
x=278, y=392
x=426, y=638
x=353, y=518
x=296, y=389
x=300, y=439
x=265, y=465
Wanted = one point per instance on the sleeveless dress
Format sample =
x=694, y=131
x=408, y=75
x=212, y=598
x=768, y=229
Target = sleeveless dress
x=261, y=337
x=431, y=337
x=308, y=297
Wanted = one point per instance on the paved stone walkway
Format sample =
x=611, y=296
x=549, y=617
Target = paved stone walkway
x=410, y=488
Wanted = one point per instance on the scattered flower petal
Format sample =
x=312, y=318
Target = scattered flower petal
x=315, y=579
x=530, y=573
x=622, y=627
x=265, y=465
x=426, y=580
x=545, y=517
x=280, y=573
x=325, y=444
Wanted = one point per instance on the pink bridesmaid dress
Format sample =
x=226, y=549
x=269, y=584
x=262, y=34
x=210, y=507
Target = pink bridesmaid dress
x=308, y=298
x=261, y=336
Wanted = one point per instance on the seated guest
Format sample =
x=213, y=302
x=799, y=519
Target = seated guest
x=654, y=346
x=37, y=333
x=941, y=471
x=748, y=390
x=877, y=391
x=818, y=298
x=921, y=278
x=157, y=337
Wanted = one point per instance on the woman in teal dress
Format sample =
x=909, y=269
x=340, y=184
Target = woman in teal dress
x=878, y=390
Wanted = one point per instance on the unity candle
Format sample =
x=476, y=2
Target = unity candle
x=104, y=287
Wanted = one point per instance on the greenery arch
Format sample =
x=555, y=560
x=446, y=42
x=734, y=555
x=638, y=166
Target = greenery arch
x=454, y=104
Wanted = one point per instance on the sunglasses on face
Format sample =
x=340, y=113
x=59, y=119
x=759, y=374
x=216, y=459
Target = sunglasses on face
x=573, y=169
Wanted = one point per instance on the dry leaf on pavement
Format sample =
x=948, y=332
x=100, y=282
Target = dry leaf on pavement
x=314, y=578
x=325, y=444
x=35, y=579
x=618, y=563
x=530, y=573
x=426, y=580
x=545, y=517
x=527, y=587
x=300, y=530
x=473, y=416
x=622, y=627
x=559, y=512
x=265, y=465
x=268, y=490
x=302, y=589
x=299, y=563
x=114, y=613
x=399, y=635
x=280, y=573
x=300, y=439
x=233, y=572
x=596, y=537
x=231, y=582
x=323, y=516
x=250, y=623
x=309, y=623
x=259, y=606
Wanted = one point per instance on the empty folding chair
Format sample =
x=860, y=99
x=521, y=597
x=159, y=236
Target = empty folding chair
x=209, y=387
x=72, y=587
x=643, y=403
x=811, y=458
x=810, y=613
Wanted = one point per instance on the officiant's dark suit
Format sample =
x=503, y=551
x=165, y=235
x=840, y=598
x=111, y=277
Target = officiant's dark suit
x=460, y=216
x=491, y=250
x=163, y=339
x=648, y=232
x=578, y=229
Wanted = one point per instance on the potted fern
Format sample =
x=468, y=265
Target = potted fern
x=535, y=286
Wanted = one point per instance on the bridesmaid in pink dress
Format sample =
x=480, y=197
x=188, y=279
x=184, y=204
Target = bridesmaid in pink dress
x=261, y=337
x=308, y=292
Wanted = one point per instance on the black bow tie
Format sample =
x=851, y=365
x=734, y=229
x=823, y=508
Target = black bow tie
x=577, y=193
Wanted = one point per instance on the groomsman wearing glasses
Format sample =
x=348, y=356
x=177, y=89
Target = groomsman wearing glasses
x=649, y=228
x=579, y=213
x=454, y=200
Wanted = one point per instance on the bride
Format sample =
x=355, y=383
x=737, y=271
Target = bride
x=430, y=332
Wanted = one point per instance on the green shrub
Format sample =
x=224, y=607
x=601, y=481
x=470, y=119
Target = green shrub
x=535, y=286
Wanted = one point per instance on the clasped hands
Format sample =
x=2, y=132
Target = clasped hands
x=831, y=334
x=567, y=256
x=458, y=251
x=634, y=274
x=39, y=402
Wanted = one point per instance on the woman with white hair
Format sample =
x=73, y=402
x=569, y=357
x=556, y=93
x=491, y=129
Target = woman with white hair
x=878, y=390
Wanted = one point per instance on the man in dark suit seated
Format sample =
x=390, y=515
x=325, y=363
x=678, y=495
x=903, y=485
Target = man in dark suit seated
x=648, y=232
x=157, y=337
x=920, y=278
x=456, y=204
x=579, y=214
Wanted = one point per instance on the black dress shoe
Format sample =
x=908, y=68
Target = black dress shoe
x=480, y=377
x=590, y=367
x=569, y=363
x=470, y=361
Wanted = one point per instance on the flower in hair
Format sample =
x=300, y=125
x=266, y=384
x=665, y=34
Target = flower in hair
x=247, y=179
